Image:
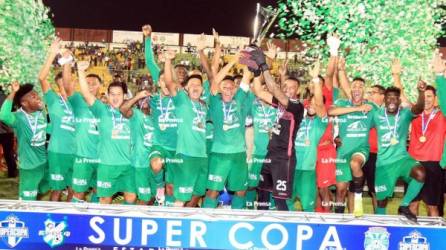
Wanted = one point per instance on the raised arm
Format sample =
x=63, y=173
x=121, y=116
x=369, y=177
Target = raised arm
x=217, y=53
x=6, y=114
x=396, y=75
x=274, y=89
x=419, y=106
x=222, y=73
x=126, y=107
x=89, y=97
x=260, y=92
x=283, y=69
x=45, y=70
x=439, y=68
x=168, y=72
x=343, y=79
x=68, y=83
x=148, y=52
x=333, y=43
x=318, y=96
x=202, y=56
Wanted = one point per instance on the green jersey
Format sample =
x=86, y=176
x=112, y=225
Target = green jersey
x=229, y=123
x=441, y=90
x=192, y=130
x=354, y=128
x=164, y=121
x=142, y=131
x=30, y=130
x=206, y=92
x=392, y=133
x=150, y=61
x=114, y=135
x=310, y=132
x=87, y=134
x=63, y=126
x=264, y=117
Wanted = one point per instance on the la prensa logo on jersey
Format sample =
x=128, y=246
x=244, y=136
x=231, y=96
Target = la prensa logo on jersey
x=12, y=230
x=55, y=233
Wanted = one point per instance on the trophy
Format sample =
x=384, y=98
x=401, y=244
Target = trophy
x=265, y=17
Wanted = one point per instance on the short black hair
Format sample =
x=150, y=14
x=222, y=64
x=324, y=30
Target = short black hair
x=23, y=90
x=121, y=85
x=394, y=90
x=58, y=76
x=359, y=79
x=195, y=76
x=95, y=76
x=293, y=79
x=181, y=66
x=228, y=77
x=431, y=88
x=238, y=76
x=380, y=88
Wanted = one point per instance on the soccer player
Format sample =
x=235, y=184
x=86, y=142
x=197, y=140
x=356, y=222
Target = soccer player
x=392, y=124
x=311, y=129
x=354, y=126
x=227, y=161
x=277, y=173
x=29, y=124
x=142, y=129
x=165, y=123
x=62, y=147
x=86, y=136
x=115, y=173
x=190, y=173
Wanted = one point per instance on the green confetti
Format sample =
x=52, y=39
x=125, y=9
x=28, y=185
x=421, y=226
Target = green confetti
x=25, y=34
x=373, y=31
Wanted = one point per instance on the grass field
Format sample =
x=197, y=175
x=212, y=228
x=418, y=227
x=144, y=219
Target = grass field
x=9, y=190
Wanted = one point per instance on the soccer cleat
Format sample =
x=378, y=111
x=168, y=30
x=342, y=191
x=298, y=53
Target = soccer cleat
x=358, y=210
x=404, y=210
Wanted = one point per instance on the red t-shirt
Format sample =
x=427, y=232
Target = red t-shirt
x=328, y=95
x=373, y=141
x=432, y=148
x=326, y=140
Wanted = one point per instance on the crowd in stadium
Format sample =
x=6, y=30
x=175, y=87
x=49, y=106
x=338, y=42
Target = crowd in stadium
x=188, y=134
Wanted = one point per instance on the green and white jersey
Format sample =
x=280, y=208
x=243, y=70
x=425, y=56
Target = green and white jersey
x=307, y=140
x=392, y=133
x=165, y=121
x=63, y=124
x=142, y=132
x=264, y=116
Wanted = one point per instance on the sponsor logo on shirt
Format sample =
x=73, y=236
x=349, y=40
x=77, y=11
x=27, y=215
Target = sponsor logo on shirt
x=12, y=230
x=381, y=188
x=87, y=160
x=57, y=177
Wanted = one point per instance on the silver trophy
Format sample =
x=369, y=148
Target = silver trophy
x=265, y=17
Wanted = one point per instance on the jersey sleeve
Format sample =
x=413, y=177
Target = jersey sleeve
x=441, y=88
x=150, y=60
x=50, y=97
x=6, y=114
x=98, y=108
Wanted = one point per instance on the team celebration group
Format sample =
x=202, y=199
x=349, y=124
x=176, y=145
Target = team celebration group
x=185, y=139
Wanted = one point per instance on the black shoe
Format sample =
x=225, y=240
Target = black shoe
x=404, y=210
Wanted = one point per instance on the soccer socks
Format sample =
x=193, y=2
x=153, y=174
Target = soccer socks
x=356, y=186
x=170, y=200
x=413, y=189
x=210, y=203
x=380, y=210
x=238, y=202
x=250, y=199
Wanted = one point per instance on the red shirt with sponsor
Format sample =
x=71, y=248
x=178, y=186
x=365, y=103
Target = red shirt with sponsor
x=432, y=148
x=373, y=141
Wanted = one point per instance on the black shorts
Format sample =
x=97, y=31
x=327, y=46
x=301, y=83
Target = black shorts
x=277, y=175
x=369, y=169
x=433, y=184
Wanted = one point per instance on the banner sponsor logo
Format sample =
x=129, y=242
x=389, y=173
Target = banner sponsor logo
x=12, y=230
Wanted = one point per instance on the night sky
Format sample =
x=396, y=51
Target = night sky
x=228, y=17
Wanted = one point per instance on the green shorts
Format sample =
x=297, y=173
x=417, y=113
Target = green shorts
x=145, y=183
x=230, y=168
x=343, y=171
x=304, y=188
x=117, y=178
x=84, y=174
x=168, y=157
x=190, y=177
x=254, y=168
x=33, y=181
x=387, y=175
x=60, y=170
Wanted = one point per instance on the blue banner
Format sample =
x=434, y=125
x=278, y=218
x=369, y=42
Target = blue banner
x=40, y=230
